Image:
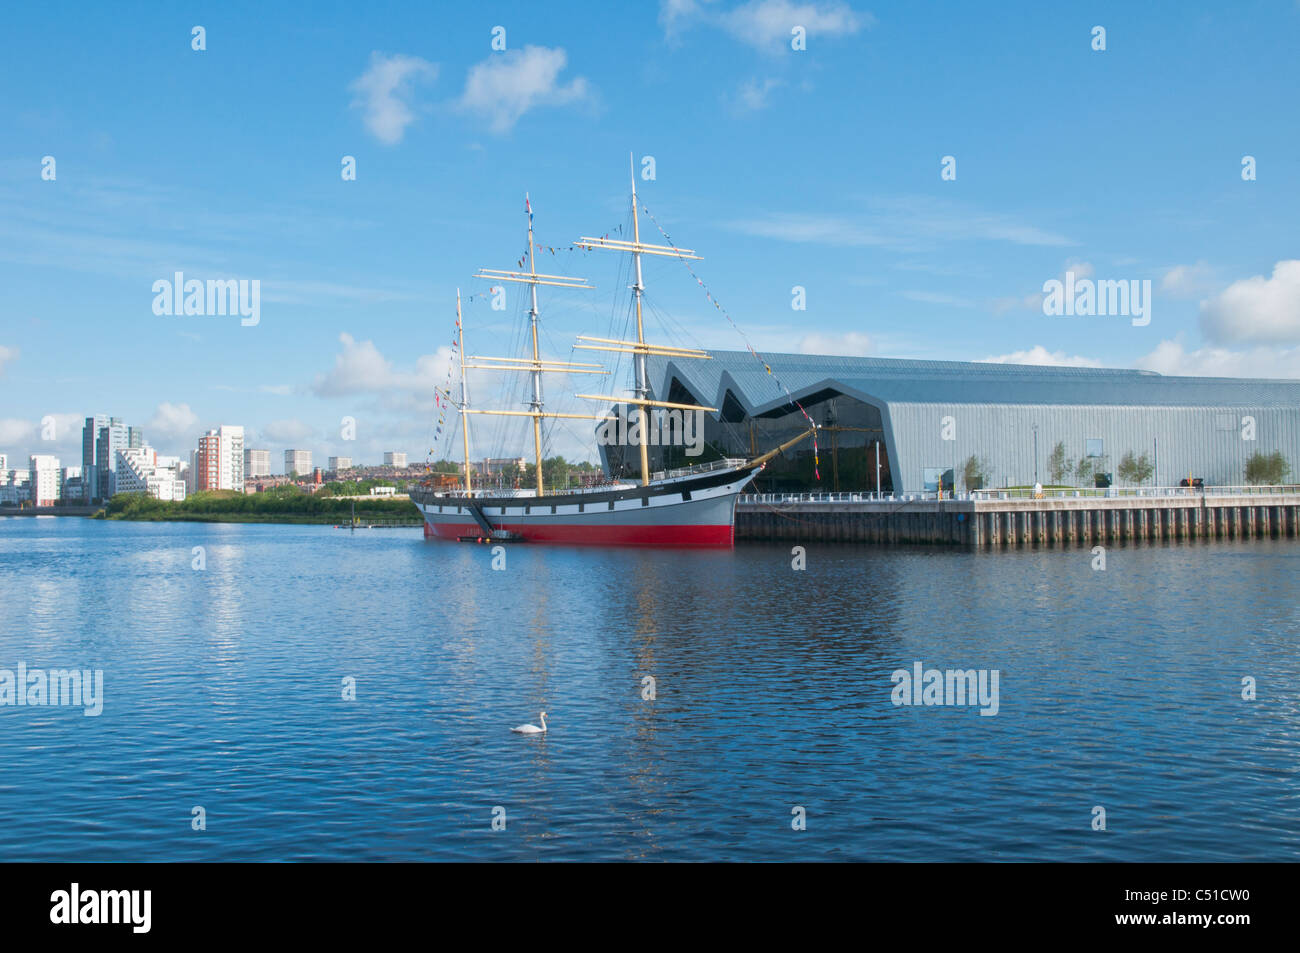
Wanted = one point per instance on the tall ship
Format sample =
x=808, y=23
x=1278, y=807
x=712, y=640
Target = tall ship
x=687, y=507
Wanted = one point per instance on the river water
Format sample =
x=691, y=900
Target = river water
x=227, y=705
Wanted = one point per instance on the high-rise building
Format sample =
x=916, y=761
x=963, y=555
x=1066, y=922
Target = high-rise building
x=219, y=462
x=14, y=486
x=340, y=463
x=257, y=463
x=90, y=455
x=394, y=459
x=232, y=457
x=44, y=479
x=134, y=438
x=297, y=461
x=4, y=462
x=141, y=470
x=111, y=438
x=72, y=485
x=207, y=463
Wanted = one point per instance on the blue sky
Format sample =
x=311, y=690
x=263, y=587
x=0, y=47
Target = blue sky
x=817, y=168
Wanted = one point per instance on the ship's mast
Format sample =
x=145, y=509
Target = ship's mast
x=464, y=392
x=639, y=349
x=536, y=366
x=637, y=289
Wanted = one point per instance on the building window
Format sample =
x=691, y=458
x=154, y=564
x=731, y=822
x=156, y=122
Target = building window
x=934, y=477
x=1095, y=447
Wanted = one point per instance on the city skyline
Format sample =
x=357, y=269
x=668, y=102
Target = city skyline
x=118, y=458
x=1127, y=163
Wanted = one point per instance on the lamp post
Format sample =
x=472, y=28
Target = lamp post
x=1035, y=454
x=877, y=469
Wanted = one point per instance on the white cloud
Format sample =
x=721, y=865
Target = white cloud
x=934, y=297
x=851, y=343
x=280, y=390
x=751, y=96
x=766, y=24
x=1082, y=269
x=385, y=90
x=68, y=430
x=298, y=292
x=7, y=354
x=13, y=430
x=1034, y=300
x=1257, y=309
x=507, y=85
x=172, y=423
x=54, y=433
x=1171, y=357
x=1187, y=281
x=290, y=431
x=1042, y=357
x=814, y=229
x=674, y=14
x=909, y=223
x=360, y=368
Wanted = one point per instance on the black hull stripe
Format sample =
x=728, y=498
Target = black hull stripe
x=704, y=481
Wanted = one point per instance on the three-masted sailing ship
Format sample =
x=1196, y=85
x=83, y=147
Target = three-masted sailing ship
x=688, y=507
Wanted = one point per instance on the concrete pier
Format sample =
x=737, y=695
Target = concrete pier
x=1000, y=519
x=65, y=509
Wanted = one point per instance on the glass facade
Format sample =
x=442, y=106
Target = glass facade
x=848, y=439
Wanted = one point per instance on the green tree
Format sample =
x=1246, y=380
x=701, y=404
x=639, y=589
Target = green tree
x=974, y=473
x=1083, y=471
x=1267, y=469
x=1058, y=468
x=1135, y=469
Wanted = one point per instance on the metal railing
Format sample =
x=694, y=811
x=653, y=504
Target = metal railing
x=367, y=523
x=1131, y=492
x=865, y=497
x=428, y=493
x=1021, y=493
x=723, y=464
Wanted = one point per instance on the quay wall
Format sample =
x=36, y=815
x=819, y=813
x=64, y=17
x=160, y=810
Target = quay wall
x=1000, y=523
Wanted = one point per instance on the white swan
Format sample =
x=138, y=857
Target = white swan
x=532, y=729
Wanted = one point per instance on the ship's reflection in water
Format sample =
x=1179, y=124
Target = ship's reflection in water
x=693, y=700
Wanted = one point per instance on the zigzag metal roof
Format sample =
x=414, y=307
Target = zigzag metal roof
x=953, y=382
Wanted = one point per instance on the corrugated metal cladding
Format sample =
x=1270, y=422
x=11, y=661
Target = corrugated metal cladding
x=1190, y=426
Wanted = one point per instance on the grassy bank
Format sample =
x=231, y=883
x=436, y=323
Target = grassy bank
x=280, y=505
